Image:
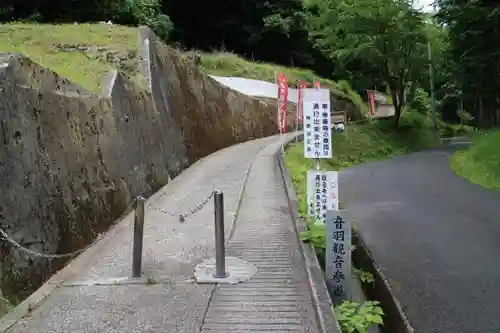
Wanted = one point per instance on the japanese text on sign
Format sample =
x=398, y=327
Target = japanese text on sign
x=338, y=251
x=317, y=124
x=322, y=193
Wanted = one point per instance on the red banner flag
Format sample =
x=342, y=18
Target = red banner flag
x=371, y=98
x=282, y=101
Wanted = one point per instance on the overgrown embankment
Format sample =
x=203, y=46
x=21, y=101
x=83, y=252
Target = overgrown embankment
x=82, y=53
x=480, y=163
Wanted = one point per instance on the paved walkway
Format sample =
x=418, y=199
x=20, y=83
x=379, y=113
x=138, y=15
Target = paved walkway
x=276, y=299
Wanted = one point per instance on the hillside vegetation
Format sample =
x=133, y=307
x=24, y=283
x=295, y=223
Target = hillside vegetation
x=380, y=45
x=363, y=143
x=230, y=64
x=480, y=164
x=83, y=53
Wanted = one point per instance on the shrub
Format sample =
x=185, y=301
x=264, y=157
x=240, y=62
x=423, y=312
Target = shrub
x=421, y=102
x=354, y=317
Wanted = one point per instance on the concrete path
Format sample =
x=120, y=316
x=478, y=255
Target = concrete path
x=434, y=235
x=276, y=299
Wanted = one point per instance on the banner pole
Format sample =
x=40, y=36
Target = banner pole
x=317, y=160
x=297, y=112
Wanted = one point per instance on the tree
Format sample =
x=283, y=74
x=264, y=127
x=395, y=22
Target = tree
x=387, y=34
x=272, y=31
x=474, y=45
x=127, y=12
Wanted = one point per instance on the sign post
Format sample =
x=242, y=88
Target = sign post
x=317, y=141
x=338, y=253
x=322, y=193
x=323, y=189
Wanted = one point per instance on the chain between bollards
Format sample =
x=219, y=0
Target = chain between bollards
x=220, y=256
x=138, y=237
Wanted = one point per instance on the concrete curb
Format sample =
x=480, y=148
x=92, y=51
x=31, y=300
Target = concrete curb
x=395, y=320
x=321, y=299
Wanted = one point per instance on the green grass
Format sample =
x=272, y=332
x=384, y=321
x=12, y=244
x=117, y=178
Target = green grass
x=480, y=164
x=83, y=53
x=363, y=143
x=229, y=64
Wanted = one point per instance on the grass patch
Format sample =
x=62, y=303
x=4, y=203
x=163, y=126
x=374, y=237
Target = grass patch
x=362, y=143
x=229, y=64
x=83, y=53
x=480, y=164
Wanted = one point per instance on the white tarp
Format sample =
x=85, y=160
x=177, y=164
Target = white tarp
x=255, y=88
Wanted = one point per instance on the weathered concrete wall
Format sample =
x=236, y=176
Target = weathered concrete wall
x=71, y=161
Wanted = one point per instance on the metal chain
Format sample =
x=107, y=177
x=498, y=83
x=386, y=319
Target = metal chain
x=6, y=237
x=182, y=217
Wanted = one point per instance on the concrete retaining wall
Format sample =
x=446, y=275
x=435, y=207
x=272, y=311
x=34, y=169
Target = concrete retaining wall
x=71, y=161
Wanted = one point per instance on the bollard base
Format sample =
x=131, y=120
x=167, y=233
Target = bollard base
x=225, y=275
x=237, y=271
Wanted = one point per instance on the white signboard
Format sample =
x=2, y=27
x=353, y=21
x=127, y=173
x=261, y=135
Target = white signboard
x=322, y=193
x=338, y=252
x=317, y=123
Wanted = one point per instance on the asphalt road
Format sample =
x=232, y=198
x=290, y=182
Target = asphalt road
x=435, y=236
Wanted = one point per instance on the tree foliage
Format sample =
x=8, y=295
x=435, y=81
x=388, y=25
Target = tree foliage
x=272, y=31
x=373, y=44
x=474, y=47
x=127, y=12
x=387, y=35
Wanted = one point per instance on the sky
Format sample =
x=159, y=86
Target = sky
x=426, y=4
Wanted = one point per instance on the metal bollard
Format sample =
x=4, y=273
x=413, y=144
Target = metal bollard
x=138, y=237
x=220, y=256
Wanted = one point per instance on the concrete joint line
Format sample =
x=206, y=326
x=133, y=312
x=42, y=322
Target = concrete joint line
x=240, y=199
x=127, y=281
x=231, y=234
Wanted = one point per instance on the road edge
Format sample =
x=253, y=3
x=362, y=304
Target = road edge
x=380, y=290
x=321, y=299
